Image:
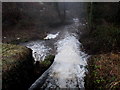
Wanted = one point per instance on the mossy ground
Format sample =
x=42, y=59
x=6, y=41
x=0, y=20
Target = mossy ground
x=104, y=65
x=102, y=39
x=104, y=72
x=41, y=67
x=17, y=67
x=102, y=42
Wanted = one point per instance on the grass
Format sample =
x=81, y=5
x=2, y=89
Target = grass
x=104, y=72
x=48, y=60
x=11, y=54
x=102, y=39
x=40, y=67
x=108, y=36
x=17, y=67
x=102, y=42
x=104, y=34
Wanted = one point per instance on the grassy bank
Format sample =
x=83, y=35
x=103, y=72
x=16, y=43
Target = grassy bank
x=104, y=72
x=102, y=42
x=18, y=69
x=103, y=39
x=41, y=67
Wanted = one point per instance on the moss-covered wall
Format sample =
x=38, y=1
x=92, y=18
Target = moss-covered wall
x=19, y=71
x=17, y=67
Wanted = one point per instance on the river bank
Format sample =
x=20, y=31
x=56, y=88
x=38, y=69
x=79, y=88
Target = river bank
x=69, y=66
x=98, y=36
x=102, y=42
x=104, y=62
x=19, y=69
x=16, y=35
x=103, y=72
x=23, y=22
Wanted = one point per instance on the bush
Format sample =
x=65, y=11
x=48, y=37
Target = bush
x=104, y=72
x=48, y=61
x=106, y=38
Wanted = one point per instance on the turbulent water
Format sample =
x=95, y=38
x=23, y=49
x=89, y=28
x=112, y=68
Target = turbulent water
x=68, y=69
x=40, y=50
x=52, y=36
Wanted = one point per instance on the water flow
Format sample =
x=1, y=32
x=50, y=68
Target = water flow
x=40, y=50
x=68, y=69
x=52, y=36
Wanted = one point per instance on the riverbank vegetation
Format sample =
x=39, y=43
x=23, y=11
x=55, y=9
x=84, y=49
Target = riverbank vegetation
x=22, y=21
x=104, y=72
x=18, y=68
x=41, y=66
x=103, y=43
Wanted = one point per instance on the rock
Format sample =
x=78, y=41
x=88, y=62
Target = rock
x=17, y=67
x=41, y=67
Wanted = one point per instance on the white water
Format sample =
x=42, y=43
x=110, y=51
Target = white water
x=39, y=49
x=68, y=69
x=52, y=36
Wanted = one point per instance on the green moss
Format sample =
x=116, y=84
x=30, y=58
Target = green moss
x=108, y=36
x=11, y=54
x=104, y=35
x=48, y=61
x=102, y=39
x=41, y=67
x=17, y=67
x=104, y=72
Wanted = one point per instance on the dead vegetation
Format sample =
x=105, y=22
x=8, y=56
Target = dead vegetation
x=103, y=43
x=104, y=71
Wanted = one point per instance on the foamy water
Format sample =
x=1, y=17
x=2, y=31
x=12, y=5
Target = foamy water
x=39, y=49
x=52, y=36
x=68, y=69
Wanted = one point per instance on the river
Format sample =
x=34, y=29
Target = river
x=69, y=66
